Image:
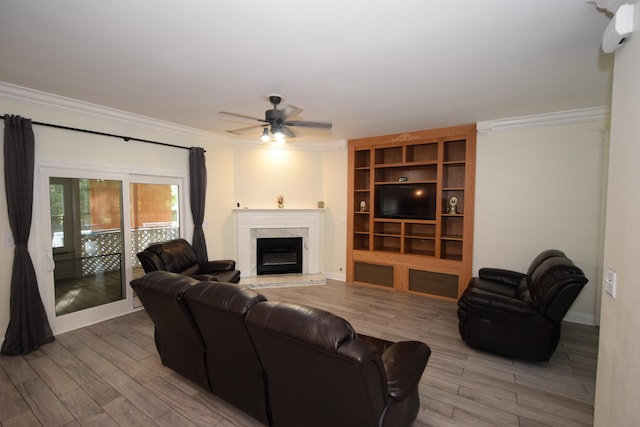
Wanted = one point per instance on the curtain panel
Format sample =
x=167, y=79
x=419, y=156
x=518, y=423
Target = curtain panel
x=28, y=324
x=197, y=192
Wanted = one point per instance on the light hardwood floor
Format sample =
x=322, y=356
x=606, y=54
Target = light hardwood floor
x=110, y=374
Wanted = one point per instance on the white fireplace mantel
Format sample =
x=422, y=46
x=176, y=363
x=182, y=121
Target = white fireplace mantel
x=254, y=223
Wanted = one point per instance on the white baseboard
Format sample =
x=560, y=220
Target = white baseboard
x=335, y=276
x=582, y=318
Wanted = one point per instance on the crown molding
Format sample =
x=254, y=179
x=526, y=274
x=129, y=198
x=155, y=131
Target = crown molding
x=60, y=103
x=547, y=119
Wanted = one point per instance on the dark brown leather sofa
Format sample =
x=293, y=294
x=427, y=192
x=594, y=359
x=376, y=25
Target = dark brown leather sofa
x=520, y=315
x=283, y=364
x=178, y=256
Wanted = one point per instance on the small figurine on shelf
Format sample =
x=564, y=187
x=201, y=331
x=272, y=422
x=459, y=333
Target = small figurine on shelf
x=280, y=201
x=363, y=206
x=453, y=205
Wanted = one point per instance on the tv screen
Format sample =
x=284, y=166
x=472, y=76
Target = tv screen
x=405, y=201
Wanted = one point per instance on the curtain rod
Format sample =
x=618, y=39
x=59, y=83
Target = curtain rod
x=95, y=132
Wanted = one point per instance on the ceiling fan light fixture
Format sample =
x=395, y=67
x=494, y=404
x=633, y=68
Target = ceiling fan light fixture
x=278, y=135
x=265, y=135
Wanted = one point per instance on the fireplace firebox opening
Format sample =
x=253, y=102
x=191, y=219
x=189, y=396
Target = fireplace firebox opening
x=279, y=255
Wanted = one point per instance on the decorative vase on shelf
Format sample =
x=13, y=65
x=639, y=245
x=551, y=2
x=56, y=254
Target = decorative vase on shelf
x=280, y=201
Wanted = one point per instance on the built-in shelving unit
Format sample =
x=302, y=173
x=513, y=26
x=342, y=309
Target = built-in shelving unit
x=427, y=255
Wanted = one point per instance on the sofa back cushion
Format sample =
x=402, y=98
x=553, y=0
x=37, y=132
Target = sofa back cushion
x=318, y=372
x=235, y=372
x=177, y=338
x=177, y=256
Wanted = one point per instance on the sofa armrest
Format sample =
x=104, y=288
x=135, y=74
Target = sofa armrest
x=503, y=276
x=404, y=362
x=218, y=265
x=481, y=299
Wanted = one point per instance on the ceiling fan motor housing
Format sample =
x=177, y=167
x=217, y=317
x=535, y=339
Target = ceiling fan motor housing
x=273, y=116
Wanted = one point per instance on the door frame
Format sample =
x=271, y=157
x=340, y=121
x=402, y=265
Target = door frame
x=41, y=247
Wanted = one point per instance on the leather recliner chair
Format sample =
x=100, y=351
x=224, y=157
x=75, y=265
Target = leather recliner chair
x=234, y=370
x=320, y=374
x=520, y=315
x=177, y=338
x=178, y=256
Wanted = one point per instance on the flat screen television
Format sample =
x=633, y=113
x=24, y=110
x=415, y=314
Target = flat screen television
x=406, y=201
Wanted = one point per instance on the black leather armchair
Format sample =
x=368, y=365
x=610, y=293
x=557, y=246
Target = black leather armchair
x=320, y=374
x=178, y=256
x=520, y=315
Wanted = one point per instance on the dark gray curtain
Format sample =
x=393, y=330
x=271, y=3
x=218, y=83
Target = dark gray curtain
x=28, y=325
x=198, y=190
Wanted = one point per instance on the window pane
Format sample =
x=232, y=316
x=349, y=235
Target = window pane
x=155, y=217
x=89, y=260
x=56, y=196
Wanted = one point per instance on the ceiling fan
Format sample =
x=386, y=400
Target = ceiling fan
x=277, y=123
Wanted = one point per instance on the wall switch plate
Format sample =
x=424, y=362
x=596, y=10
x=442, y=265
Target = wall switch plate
x=610, y=282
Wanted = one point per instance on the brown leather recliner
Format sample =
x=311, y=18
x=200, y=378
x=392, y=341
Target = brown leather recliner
x=178, y=339
x=520, y=315
x=320, y=374
x=233, y=367
x=178, y=256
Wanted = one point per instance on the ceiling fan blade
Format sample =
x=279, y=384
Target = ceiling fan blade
x=305, y=124
x=241, y=130
x=288, y=132
x=290, y=111
x=241, y=115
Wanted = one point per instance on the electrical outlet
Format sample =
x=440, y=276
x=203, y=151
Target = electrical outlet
x=610, y=282
x=8, y=240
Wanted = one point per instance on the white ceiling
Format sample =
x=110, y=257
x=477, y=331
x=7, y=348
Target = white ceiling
x=371, y=67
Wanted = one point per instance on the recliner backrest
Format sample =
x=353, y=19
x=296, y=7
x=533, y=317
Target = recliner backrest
x=235, y=372
x=554, y=286
x=318, y=372
x=523, y=291
x=177, y=256
x=543, y=256
x=177, y=337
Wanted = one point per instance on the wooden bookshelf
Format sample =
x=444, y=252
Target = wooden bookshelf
x=427, y=256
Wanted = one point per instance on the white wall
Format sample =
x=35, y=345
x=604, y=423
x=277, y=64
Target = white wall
x=618, y=377
x=264, y=171
x=539, y=188
x=334, y=225
x=303, y=175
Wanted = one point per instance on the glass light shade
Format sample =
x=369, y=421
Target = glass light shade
x=265, y=135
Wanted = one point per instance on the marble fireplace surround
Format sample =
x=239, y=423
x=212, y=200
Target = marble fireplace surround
x=258, y=223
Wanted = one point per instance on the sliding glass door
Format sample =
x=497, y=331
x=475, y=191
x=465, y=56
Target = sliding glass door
x=90, y=226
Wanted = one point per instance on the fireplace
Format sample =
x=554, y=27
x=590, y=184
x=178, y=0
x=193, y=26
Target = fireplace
x=279, y=255
x=256, y=224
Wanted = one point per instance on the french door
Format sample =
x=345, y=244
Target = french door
x=89, y=226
